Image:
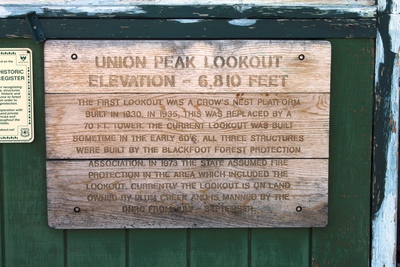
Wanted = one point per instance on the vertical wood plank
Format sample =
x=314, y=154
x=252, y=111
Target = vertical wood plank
x=95, y=248
x=345, y=242
x=385, y=168
x=219, y=247
x=158, y=247
x=280, y=247
x=28, y=241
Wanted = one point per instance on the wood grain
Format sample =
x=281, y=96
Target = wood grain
x=192, y=133
x=187, y=193
x=198, y=126
x=187, y=66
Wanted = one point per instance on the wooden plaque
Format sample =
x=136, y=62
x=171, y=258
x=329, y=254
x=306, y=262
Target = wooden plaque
x=176, y=134
x=187, y=193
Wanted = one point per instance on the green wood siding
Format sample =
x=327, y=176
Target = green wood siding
x=158, y=247
x=280, y=247
x=218, y=247
x=345, y=242
x=28, y=241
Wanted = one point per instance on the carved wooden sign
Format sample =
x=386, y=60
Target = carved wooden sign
x=177, y=134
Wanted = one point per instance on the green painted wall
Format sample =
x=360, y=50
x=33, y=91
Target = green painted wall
x=26, y=240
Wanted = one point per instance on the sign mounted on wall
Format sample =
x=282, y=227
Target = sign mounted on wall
x=177, y=134
x=16, y=96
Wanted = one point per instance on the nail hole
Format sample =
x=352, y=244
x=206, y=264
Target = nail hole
x=301, y=57
x=77, y=209
x=74, y=56
x=299, y=209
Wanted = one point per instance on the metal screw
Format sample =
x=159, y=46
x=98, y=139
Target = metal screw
x=299, y=209
x=74, y=56
x=77, y=209
x=301, y=57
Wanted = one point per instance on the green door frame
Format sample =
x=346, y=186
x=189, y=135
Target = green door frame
x=385, y=143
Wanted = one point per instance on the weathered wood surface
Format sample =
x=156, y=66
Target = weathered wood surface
x=87, y=4
x=192, y=106
x=385, y=171
x=187, y=193
x=187, y=66
x=196, y=27
x=193, y=125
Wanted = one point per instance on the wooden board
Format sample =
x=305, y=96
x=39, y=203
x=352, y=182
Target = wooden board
x=187, y=193
x=180, y=126
x=187, y=66
x=187, y=129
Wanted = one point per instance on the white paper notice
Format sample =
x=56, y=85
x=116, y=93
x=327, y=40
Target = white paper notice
x=16, y=95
